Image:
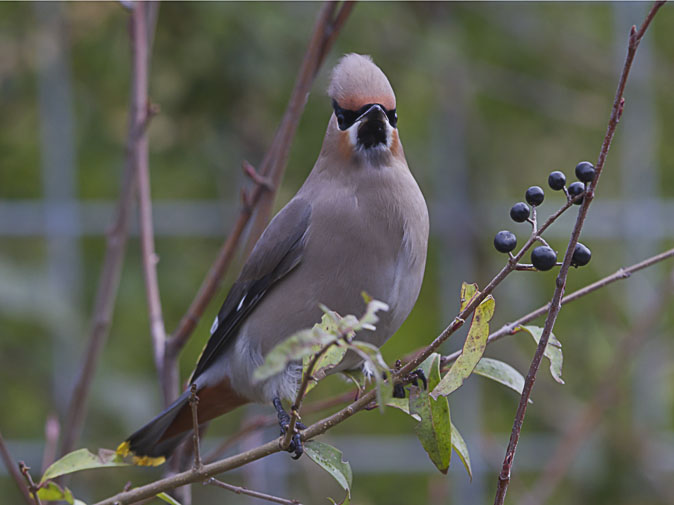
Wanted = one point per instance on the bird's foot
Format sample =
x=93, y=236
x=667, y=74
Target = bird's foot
x=411, y=378
x=296, y=447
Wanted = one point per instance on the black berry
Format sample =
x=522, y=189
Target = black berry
x=505, y=241
x=543, y=257
x=534, y=195
x=575, y=189
x=556, y=180
x=519, y=212
x=581, y=255
x=585, y=171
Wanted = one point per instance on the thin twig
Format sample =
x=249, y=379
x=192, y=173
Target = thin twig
x=108, y=283
x=325, y=31
x=140, y=43
x=248, y=492
x=32, y=487
x=14, y=472
x=194, y=405
x=620, y=274
x=606, y=394
x=556, y=303
x=301, y=392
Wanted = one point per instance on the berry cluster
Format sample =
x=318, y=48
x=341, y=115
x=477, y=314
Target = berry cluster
x=544, y=257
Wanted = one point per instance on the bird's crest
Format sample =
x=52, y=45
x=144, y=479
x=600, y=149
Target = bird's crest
x=357, y=81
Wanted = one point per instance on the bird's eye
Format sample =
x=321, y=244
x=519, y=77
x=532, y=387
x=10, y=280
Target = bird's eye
x=345, y=118
x=392, y=117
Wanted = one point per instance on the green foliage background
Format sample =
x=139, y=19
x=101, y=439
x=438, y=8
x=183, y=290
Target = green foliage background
x=491, y=98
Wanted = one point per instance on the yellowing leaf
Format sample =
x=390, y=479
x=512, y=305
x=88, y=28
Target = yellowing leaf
x=82, y=459
x=473, y=348
x=168, y=499
x=553, y=351
x=468, y=292
x=434, y=430
x=51, y=491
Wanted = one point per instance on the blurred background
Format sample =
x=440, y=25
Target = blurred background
x=491, y=98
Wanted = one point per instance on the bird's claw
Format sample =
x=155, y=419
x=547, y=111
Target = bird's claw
x=411, y=378
x=295, y=447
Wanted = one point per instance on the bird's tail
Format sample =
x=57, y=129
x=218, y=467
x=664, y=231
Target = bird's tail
x=156, y=441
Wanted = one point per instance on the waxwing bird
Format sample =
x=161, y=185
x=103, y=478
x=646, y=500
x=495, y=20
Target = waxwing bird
x=359, y=223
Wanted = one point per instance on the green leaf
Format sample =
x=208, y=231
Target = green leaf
x=473, y=348
x=51, y=491
x=459, y=445
x=435, y=428
x=500, y=372
x=329, y=458
x=553, y=350
x=82, y=459
x=168, y=499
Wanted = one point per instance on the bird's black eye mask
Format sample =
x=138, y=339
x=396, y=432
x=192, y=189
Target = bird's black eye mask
x=346, y=118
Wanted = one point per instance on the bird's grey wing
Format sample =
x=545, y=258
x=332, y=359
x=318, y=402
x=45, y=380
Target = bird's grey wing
x=278, y=251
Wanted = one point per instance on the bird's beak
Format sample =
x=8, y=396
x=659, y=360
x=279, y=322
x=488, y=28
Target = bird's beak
x=373, y=128
x=374, y=113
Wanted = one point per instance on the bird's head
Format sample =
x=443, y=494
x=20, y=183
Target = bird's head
x=364, y=123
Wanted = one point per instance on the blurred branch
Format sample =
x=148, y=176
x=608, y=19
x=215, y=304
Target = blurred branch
x=273, y=166
x=248, y=492
x=261, y=198
x=556, y=303
x=52, y=430
x=13, y=471
x=108, y=283
x=606, y=394
x=140, y=51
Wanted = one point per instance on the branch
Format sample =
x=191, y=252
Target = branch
x=325, y=424
x=108, y=283
x=326, y=29
x=13, y=471
x=556, y=303
x=32, y=487
x=248, y=492
x=606, y=394
x=265, y=421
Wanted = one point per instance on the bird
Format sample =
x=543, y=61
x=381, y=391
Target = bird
x=359, y=223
